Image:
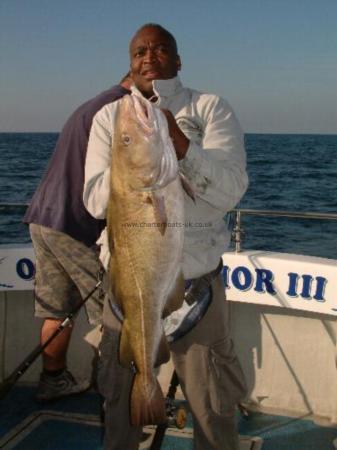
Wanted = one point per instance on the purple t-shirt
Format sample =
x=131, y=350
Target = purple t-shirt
x=57, y=202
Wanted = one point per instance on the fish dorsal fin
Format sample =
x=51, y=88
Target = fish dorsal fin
x=158, y=203
x=187, y=186
x=126, y=356
x=163, y=354
x=176, y=296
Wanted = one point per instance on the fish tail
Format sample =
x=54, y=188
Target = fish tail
x=147, y=403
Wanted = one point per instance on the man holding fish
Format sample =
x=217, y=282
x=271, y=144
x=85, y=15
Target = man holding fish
x=164, y=165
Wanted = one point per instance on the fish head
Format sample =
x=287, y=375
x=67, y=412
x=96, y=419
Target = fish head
x=142, y=145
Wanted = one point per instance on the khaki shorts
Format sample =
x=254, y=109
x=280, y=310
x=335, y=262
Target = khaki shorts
x=66, y=271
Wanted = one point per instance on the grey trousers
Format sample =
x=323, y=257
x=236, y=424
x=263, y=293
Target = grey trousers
x=209, y=373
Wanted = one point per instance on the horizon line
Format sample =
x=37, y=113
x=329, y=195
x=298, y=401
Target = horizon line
x=317, y=133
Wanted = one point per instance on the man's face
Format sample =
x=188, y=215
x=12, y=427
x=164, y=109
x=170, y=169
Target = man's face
x=152, y=57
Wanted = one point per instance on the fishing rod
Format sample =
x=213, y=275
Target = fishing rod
x=9, y=382
x=176, y=416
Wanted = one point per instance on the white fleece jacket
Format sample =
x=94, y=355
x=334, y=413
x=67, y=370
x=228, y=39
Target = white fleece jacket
x=215, y=164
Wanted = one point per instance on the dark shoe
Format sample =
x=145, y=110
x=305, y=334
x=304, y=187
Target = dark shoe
x=52, y=388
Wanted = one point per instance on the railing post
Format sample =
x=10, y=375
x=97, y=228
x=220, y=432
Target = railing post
x=237, y=231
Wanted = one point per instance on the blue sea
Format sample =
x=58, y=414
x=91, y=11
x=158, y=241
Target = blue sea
x=287, y=172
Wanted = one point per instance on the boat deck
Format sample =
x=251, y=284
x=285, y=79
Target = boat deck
x=74, y=423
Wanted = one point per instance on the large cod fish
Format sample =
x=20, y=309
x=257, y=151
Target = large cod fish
x=146, y=201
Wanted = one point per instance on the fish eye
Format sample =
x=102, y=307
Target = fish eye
x=126, y=139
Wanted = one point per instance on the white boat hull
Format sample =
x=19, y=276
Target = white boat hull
x=288, y=352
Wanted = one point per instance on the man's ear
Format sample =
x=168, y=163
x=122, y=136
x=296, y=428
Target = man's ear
x=178, y=61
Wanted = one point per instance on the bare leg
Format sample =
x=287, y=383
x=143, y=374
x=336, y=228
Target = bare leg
x=55, y=354
x=55, y=380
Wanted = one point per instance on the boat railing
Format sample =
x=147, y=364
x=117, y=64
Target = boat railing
x=237, y=233
x=13, y=205
x=237, y=230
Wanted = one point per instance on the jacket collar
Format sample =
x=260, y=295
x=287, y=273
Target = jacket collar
x=163, y=88
x=167, y=88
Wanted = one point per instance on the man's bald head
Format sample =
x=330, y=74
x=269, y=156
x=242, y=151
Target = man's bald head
x=153, y=56
x=169, y=36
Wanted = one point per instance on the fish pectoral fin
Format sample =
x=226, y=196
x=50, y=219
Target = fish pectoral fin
x=163, y=354
x=125, y=351
x=160, y=216
x=187, y=186
x=176, y=296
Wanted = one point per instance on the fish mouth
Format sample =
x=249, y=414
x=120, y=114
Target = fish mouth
x=142, y=110
x=152, y=121
x=157, y=122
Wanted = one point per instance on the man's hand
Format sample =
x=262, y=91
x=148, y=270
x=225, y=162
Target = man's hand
x=179, y=140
